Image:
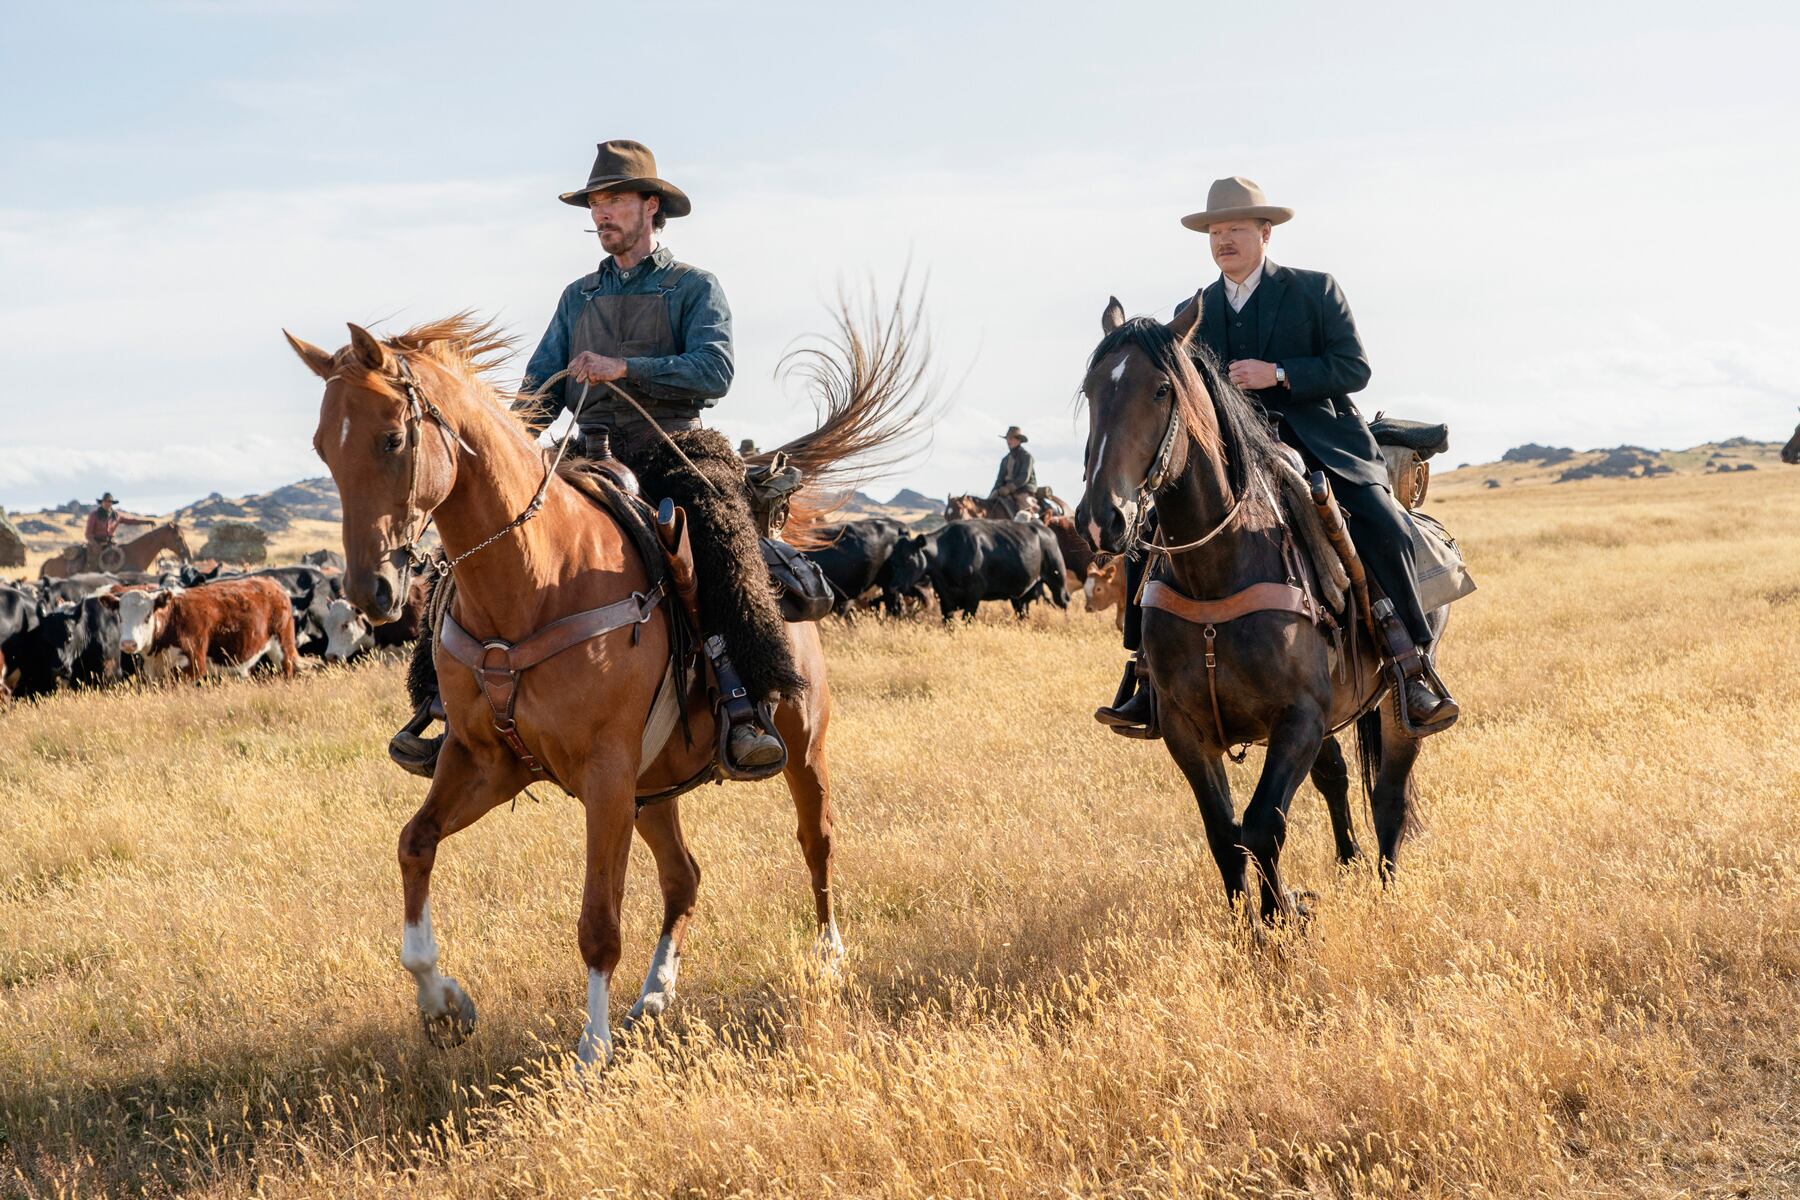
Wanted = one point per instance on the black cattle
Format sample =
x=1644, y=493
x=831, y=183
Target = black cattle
x=99, y=661
x=971, y=561
x=331, y=560
x=857, y=558
x=19, y=615
x=73, y=589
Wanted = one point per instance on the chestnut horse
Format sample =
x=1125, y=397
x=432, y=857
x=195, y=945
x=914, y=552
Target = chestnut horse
x=139, y=553
x=1166, y=425
x=412, y=431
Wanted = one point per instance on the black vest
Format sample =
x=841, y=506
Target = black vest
x=1240, y=329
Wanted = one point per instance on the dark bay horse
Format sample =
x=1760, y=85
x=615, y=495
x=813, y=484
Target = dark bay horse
x=1166, y=425
x=411, y=429
x=1790, y=453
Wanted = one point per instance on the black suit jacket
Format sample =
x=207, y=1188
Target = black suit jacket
x=1304, y=324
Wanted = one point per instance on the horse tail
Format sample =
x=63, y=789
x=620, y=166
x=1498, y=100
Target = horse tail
x=871, y=388
x=1368, y=755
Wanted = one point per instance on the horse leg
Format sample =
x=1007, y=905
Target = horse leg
x=1294, y=745
x=1391, y=797
x=679, y=877
x=809, y=782
x=1331, y=775
x=611, y=811
x=462, y=790
x=1205, y=771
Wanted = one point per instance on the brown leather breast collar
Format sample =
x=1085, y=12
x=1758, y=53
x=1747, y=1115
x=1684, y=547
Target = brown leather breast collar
x=1210, y=614
x=498, y=664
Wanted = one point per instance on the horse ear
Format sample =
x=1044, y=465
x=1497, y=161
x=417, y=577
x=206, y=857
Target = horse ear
x=1113, y=317
x=1188, y=319
x=316, y=360
x=369, y=350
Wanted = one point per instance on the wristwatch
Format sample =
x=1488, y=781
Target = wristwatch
x=1280, y=375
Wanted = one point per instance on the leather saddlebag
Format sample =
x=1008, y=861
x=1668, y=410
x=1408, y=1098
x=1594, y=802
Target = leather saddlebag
x=805, y=592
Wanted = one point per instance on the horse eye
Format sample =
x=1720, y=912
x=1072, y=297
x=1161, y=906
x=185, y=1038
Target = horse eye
x=1163, y=389
x=394, y=442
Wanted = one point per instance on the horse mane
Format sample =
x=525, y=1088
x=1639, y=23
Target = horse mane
x=869, y=379
x=874, y=398
x=1231, y=428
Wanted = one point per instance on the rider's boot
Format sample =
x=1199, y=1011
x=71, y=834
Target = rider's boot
x=1132, y=713
x=1426, y=704
x=751, y=749
x=410, y=749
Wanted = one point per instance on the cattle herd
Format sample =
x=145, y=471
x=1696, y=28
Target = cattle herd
x=96, y=630
x=880, y=563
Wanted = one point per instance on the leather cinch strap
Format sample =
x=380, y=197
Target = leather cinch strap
x=497, y=665
x=1258, y=597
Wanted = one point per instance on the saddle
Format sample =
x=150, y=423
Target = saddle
x=659, y=534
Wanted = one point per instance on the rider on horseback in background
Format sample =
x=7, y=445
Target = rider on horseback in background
x=1290, y=343
x=659, y=330
x=102, y=525
x=1017, y=478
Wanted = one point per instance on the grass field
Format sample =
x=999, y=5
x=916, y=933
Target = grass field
x=1586, y=982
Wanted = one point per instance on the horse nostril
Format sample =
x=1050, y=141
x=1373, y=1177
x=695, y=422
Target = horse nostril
x=384, y=593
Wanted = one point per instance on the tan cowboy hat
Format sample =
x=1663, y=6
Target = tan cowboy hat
x=1235, y=199
x=1013, y=431
x=623, y=165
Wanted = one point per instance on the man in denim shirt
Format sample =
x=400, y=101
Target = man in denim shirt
x=660, y=331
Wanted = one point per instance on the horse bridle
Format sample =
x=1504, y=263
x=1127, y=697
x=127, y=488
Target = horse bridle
x=419, y=407
x=1158, y=476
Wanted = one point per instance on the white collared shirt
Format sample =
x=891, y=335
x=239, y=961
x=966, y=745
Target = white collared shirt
x=1238, y=294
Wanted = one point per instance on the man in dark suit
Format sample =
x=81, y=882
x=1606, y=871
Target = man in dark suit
x=1287, y=339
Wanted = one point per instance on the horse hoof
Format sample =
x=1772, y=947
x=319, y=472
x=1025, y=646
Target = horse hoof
x=648, y=1008
x=828, y=950
x=452, y=1026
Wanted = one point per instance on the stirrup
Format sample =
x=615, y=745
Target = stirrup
x=1427, y=672
x=411, y=751
x=765, y=724
x=1117, y=717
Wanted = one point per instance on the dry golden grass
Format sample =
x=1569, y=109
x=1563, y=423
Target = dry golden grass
x=1584, y=984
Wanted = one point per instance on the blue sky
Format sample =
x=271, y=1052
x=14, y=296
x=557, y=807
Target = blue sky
x=1555, y=223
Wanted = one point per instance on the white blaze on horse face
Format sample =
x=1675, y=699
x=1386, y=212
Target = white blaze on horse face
x=1118, y=372
x=344, y=434
x=596, y=1040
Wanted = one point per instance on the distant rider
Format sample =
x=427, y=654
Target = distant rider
x=1017, y=479
x=103, y=524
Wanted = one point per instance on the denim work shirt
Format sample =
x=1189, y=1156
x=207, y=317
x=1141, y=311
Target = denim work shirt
x=699, y=317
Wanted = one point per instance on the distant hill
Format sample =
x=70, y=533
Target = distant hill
x=309, y=500
x=907, y=498
x=1533, y=464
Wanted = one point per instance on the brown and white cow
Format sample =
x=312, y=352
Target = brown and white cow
x=348, y=632
x=1105, y=588
x=234, y=624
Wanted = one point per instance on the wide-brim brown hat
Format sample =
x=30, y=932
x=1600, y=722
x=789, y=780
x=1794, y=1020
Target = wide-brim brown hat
x=1013, y=431
x=109, y=498
x=623, y=165
x=1236, y=199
